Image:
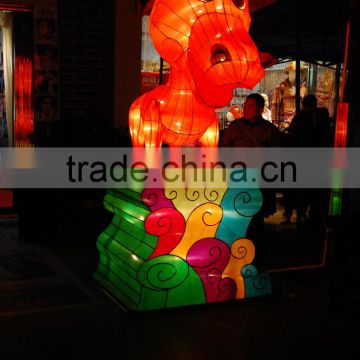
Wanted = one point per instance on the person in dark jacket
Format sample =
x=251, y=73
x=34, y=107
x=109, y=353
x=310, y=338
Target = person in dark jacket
x=252, y=130
x=309, y=128
x=301, y=130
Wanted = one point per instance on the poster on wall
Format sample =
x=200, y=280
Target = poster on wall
x=46, y=108
x=46, y=64
x=45, y=31
x=45, y=22
x=3, y=125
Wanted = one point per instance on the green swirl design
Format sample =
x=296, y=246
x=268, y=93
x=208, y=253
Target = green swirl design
x=163, y=273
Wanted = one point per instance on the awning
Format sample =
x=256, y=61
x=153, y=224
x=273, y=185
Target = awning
x=307, y=30
x=254, y=5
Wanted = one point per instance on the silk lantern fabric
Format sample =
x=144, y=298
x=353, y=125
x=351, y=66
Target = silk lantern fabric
x=176, y=247
x=210, y=52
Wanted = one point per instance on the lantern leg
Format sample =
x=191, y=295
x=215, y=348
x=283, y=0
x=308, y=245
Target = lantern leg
x=152, y=125
x=211, y=135
x=145, y=123
x=136, y=123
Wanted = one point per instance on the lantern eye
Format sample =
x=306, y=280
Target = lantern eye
x=239, y=3
x=220, y=54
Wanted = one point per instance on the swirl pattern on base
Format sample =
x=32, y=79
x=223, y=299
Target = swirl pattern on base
x=209, y=258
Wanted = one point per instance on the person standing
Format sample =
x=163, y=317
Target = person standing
x=301, y=133
x=301, y=129
x=252, y=130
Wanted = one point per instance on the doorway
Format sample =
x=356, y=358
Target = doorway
x=16, y=77
x=16, y=85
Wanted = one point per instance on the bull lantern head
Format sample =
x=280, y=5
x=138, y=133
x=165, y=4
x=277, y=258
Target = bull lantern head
x=210, y=52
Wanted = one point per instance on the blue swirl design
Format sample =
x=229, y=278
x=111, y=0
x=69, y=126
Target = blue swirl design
x=239, y=206
x=255, y=284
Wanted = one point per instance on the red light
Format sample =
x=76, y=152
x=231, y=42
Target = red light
x=24, y=115
x=341, y=124
x=14, y=7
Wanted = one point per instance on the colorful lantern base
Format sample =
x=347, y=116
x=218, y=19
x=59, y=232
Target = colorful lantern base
x=175, y=247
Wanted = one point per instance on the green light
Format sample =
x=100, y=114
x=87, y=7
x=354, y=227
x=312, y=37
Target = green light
x=336, y=202
x=336, y=193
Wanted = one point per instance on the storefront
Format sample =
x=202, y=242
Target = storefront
x=279, y=90
x=153, y=70
x=28, y=74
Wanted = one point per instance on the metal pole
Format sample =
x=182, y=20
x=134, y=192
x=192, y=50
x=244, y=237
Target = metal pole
x=298, y=85
x=346, y=56
x=161, y=77
x=341, y=123
x=298, y=55
x=337, y=86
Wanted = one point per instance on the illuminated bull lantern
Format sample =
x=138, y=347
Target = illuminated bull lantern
x=210, y=52
x=169, y=247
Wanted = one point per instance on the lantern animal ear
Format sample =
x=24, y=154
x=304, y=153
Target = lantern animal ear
x=166, y=23
x=267, y=59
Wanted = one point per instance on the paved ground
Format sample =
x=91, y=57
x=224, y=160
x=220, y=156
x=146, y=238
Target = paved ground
x=301, y=320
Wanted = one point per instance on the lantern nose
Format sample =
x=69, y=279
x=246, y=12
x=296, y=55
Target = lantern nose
x=219, y=54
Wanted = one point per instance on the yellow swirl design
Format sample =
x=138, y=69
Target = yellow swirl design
x=202, y=223
x=187, y=200
x=242, y=253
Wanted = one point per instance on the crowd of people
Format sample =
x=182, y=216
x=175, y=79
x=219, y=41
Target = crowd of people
x=310, y=127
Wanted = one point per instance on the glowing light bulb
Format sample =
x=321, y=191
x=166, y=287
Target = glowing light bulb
x=220, y=58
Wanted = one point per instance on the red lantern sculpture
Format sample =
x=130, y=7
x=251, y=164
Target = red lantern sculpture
x=210, y=52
